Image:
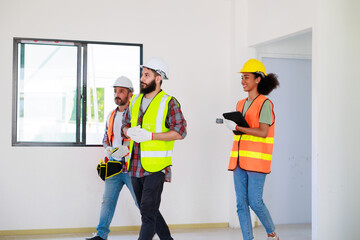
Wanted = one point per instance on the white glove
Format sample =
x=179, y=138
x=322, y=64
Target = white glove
x=108, y=151
x=230, y=124
x=120, y=152
x=131, y=131
x=140, y=135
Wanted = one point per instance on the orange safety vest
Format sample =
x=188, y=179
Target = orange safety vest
x=253, y=153
x=110, y=132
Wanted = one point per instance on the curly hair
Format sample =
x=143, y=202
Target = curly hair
x=267, y=83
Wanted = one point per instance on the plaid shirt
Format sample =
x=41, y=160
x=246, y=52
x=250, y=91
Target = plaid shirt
x=174, y=121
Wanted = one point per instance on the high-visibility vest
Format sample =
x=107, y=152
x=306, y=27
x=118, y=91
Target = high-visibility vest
x=253, y=153
x=155, y=154
x=110, y=133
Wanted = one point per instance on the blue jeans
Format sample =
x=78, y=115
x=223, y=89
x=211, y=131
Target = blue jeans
x=113, y=186
x=249, y=191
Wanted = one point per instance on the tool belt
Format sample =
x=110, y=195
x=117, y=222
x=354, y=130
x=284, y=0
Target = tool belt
x=109, y=169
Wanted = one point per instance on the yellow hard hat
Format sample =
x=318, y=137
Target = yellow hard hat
x=253, y=66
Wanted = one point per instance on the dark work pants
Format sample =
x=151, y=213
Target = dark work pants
x=148, y=195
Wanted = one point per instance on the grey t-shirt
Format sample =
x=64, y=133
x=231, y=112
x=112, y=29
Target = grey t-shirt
x=145, y=103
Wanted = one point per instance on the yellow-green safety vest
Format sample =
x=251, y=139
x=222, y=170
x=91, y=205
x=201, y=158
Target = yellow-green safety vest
x=155, y=154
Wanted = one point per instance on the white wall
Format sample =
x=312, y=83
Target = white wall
x=336, y=118
x=57, y=187
x=298, y=46
x=269, y=20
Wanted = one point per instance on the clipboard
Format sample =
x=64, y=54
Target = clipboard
x=238, y=118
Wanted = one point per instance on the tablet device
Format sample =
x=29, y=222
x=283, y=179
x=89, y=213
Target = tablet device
x=238, y=118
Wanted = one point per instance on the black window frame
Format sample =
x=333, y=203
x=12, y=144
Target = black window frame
x=81, y=91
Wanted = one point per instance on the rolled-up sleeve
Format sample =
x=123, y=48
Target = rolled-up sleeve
x=175, y=119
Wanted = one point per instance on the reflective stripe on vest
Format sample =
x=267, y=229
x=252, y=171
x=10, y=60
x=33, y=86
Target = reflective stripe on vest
x=253, y=153
x=155, y=154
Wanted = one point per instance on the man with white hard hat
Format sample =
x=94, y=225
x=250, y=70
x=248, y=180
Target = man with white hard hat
x=154, y=121
x=123, y=90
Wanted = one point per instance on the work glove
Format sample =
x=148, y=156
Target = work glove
x=139, y=134
x=230, y=124
x=108, y=151
x=120, y=152
x=131, y=131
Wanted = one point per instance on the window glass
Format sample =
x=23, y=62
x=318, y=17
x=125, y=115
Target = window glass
x=63, y=90
x=47, y=80
x=105, y=64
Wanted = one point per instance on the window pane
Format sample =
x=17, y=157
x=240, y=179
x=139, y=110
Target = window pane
x=105, y=64
x=47, y=81
x=64, y=89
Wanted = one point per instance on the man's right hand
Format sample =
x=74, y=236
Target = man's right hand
x=138, y=134
x=120, y=152
x=108, y=151
x=131, y=131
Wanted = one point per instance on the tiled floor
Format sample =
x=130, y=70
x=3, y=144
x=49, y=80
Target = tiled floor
x=286, y=232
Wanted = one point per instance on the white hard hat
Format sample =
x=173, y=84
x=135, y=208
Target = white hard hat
x=158, y=65
x=124, y=82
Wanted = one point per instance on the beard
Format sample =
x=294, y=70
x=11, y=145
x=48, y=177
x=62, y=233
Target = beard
x=148, y=88
x=121, y=102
